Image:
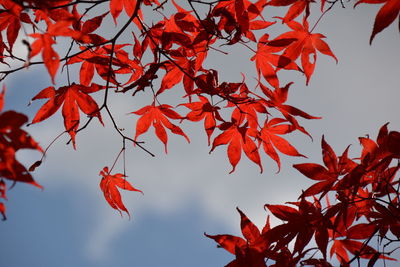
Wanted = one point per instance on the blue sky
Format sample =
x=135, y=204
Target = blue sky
x=189, y=192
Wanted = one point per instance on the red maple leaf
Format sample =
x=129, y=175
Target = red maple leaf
x=158, y=117
x=297, y=7
x=116, y=7
x=385, y=16
x=174, y=73
x=84, y=30
x=109, y=183
x=270, y=139
x=50, y=57
x=305, y=45
x=44, y=42
x=73, y=98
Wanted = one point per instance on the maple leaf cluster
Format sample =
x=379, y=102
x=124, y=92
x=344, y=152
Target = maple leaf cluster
x=160, y=54
x=366, y=190
x=174, y=48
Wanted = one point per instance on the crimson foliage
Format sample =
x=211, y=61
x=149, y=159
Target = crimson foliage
x=163, y=54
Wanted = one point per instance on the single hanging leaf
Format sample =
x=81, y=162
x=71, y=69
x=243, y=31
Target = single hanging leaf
x=109, y=183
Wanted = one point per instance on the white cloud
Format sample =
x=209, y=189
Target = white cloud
x=104, y=232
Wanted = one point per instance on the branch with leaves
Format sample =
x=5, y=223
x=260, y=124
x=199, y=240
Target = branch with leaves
x=167, y=50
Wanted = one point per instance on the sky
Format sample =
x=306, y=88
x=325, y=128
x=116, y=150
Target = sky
x=189, y=191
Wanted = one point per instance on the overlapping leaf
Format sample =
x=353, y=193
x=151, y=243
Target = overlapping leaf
x=44, y=43
x=277, y=99
x=267, y=59
x=302, y=224
x=99, y=59
x=203, y=110
x=238, y=138
x=305, y=46
x=247, y=108
x=271, y=139
x=84, y=30
x=238, y=19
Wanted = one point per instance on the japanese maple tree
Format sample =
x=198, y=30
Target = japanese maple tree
x=161, y=46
